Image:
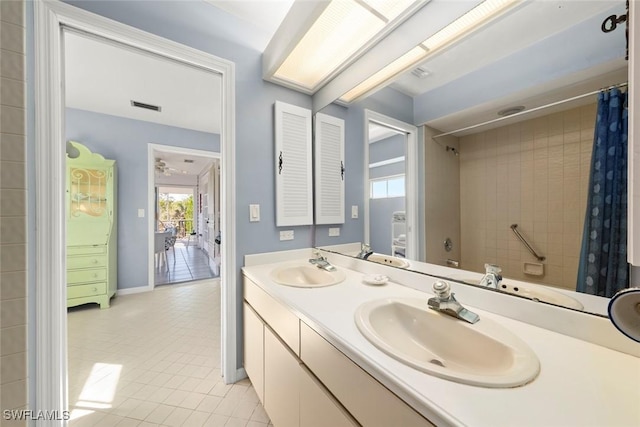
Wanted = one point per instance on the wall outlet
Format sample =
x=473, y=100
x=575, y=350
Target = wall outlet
x=354, y=212
x=334, y=232
x=286, y=235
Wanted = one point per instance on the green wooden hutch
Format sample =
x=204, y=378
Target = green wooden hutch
x=92, y=267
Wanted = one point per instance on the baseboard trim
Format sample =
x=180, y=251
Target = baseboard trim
x=136, y=290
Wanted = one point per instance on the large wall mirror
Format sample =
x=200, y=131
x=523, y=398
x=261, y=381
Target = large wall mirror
x=539, y=69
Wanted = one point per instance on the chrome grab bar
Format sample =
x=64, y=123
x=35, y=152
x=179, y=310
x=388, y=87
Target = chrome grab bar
x=514, y=227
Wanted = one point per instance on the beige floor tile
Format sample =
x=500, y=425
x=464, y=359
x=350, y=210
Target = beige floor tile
x=154, y=359
x=159, y=414
x=176, y=397
x=216, y=420
x=197, y=419
x=209, y=403
x=256, y=424
x=128, y=422
x=148, y=424
x=160, y=395
x=236, y=422
x=177, y=417
x=227, y=406
x=192, y=400
x=143, y=410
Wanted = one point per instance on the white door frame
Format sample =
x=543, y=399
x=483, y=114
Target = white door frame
x=411, y=177
x=49, y=186
x=151, y=168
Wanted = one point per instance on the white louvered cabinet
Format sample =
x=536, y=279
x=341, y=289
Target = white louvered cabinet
x=294, y=191
x=329, y=169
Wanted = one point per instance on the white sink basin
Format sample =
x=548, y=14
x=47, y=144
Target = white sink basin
x=482, y=354
x=538, y=293
x=388, y=260
x=306, y=276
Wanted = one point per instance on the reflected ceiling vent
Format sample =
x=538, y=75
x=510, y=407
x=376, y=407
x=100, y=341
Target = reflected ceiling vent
x=146, y=106
x=511, y=111
x=188, y=161
x=420, y=72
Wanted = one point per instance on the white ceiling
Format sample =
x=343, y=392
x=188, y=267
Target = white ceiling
x=379, y=132
x=104, y=77
x=263, y=14
x=177, y=167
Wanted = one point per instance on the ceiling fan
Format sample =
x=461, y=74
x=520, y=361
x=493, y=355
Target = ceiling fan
x=162, y=167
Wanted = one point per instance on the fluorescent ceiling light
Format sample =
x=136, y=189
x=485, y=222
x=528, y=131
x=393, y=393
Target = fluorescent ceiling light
x=396, y=67
x=467, y=22
x=454, y=31
x=339, y=33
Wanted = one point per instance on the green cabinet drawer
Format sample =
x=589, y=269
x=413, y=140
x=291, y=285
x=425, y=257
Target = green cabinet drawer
x=86, y=250
x=84, y=276
x=86, y=261
x=86, y=290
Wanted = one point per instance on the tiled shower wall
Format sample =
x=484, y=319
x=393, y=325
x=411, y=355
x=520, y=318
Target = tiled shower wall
x=534, y=174
x=13, y=347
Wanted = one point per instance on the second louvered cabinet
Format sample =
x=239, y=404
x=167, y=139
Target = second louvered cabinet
x=293, y=165
x=329, y=169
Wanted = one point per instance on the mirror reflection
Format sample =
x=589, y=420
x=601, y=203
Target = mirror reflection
x=515, y=192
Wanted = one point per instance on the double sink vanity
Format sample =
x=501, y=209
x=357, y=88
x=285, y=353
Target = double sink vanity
x=326, y=345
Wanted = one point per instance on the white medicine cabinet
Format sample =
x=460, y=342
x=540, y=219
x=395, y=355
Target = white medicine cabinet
x=329, y=169
x=294, y=184
x=293, y=166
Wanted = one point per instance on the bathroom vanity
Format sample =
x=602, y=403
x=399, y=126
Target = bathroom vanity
x=311, y=365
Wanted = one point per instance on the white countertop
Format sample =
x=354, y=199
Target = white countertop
x=580, y=383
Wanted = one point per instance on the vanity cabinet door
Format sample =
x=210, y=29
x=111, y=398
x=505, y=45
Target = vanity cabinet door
x=329, y=169
x=254, y=349
x=317, y=407
x=370, y=403
x=294, y=200
x=281, y=382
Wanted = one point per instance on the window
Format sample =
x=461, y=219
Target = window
x=383, y=188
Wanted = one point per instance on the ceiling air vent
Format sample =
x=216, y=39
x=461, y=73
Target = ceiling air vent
x=188, y=161
x=146, y=106
x=420, y=72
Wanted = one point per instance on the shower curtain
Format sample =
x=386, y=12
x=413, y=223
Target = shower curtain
x=603, y=268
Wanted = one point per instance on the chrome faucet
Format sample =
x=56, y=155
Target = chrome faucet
x=492, y=277
x=445, y=302
x=365, y=251
x=321, y=262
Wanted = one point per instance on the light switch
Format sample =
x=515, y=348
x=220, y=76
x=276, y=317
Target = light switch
x=254, y=213
x=334, y=232
x=354, y=212
x=140, y=213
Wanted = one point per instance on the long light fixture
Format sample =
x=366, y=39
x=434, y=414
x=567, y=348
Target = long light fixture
x=462, y=26
x=343, y=29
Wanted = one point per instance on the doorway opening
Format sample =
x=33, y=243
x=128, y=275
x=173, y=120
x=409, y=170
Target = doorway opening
x=186, y=205
x=50, y=328
x=390, y=182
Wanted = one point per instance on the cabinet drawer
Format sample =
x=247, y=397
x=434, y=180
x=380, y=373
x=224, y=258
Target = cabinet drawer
x=86, y=250
x=86, y=261
x=84, y=276
x=86, y=290
x=278, y=317
x=370, y=403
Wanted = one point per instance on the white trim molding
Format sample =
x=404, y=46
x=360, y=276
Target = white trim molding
x=51, y=340
x=411, y=176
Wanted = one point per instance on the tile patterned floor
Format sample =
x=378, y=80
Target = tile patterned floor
x=189, y=263
x=154, y=359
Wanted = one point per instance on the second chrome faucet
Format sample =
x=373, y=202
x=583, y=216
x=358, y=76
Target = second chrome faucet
x=445, y=302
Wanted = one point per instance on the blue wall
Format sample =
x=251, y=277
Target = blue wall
x=380, y=213
x=125, y=141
